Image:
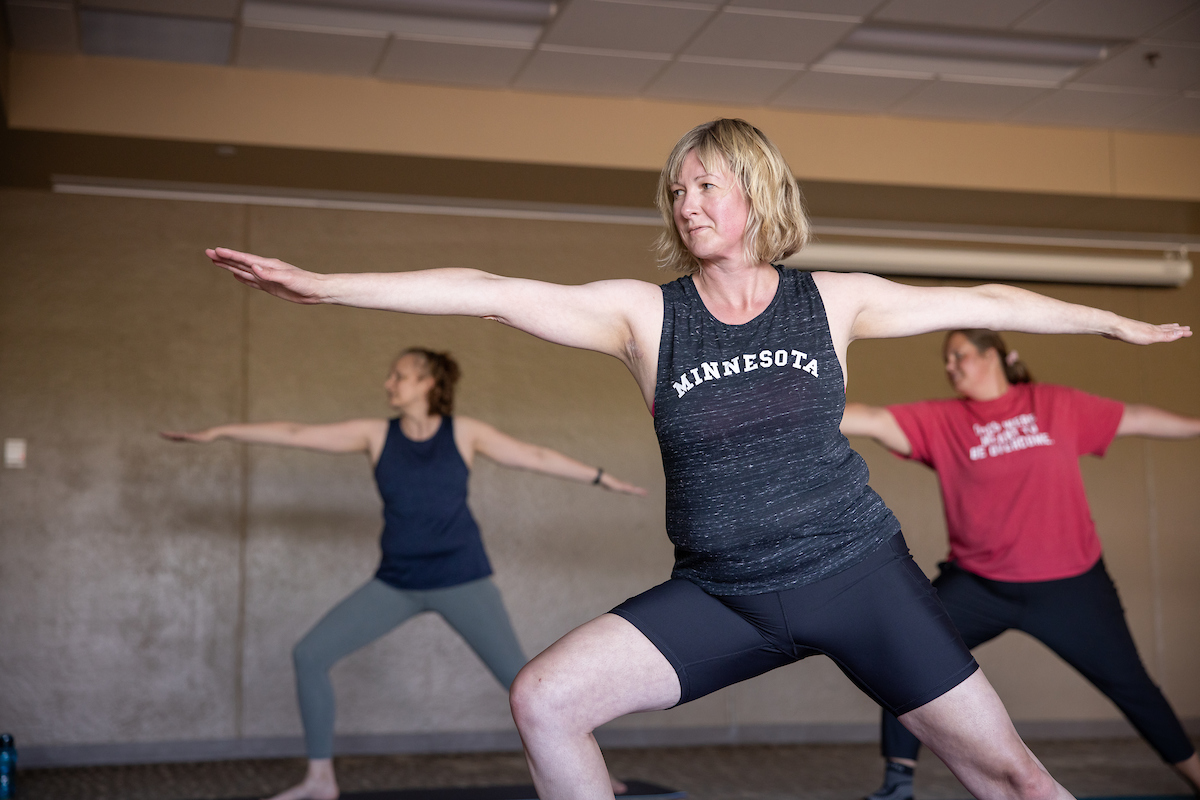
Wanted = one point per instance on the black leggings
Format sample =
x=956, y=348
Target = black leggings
x=1082, y=621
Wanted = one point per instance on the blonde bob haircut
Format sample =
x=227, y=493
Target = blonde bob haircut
x=776, y=226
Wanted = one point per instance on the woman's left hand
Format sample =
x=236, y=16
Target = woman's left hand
x=1135, y=332
x=614, y=484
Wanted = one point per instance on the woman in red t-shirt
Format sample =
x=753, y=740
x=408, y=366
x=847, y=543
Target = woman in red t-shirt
x=1023, y=548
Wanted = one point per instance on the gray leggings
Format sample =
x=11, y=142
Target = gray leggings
x=473, y=609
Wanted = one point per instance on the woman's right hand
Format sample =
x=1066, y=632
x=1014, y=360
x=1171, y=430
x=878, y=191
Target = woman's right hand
x=275, y=277
x=199, y=437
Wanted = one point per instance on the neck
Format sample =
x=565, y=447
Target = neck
x=995, y=389
x=736, y=293
x=419, y=424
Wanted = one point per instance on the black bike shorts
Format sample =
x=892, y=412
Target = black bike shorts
x=880, y=621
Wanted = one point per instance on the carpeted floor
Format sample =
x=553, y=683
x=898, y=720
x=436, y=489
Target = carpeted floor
x=1104, y=768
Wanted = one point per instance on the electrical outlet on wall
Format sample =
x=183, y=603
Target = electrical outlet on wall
x=14, y=453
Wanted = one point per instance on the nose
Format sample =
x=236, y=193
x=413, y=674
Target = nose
x=687, y=204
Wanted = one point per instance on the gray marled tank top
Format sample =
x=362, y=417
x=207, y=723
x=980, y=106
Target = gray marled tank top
x=763, y=491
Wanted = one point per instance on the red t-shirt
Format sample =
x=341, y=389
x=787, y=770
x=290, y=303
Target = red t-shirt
x=1009, y=471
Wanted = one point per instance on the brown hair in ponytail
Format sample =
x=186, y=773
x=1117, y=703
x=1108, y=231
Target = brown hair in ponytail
x=984, y=340
x=445, y=373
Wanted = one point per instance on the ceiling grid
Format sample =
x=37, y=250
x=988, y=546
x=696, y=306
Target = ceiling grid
x=1109, y=64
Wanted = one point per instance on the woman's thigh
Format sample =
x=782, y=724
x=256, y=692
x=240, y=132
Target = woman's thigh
x=709, y=644
x=602, y=670
x=360, y=618
x=1081, y=620
x=476, y=610
x=979, y=613
x=970, y=730
x=883, y=625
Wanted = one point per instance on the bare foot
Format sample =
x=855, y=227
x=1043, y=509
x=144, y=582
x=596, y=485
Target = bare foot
x=318, y=784
x=308, y=791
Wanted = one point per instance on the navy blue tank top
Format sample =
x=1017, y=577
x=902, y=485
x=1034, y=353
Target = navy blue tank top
x=763, y=491
x=430, y=540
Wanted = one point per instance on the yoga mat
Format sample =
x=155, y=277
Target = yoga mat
x=638, y=790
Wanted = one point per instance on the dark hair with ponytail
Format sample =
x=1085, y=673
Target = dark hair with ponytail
x=445, y=373
x=983, y=340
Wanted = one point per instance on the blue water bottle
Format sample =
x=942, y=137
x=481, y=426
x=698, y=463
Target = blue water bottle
x=8, y=766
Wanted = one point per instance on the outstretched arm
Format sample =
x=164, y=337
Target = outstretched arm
x=877, y=423
x=604, y=316
x=1143, y=420
x=868, y=307
x=479, y=437
x=352, y=436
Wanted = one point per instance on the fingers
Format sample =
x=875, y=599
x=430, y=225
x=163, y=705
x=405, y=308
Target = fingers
x=246, y=265
x=234, y=263
x=1179, y=331
x=1170, y=332
x=1148, y=333
x=621, y=486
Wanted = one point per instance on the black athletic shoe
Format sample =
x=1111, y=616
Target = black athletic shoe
x=897, y=783
x=900, y=791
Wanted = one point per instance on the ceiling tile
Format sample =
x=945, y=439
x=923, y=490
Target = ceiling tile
x=451, y=63
x=1087, y=109
x=833, y=91
x=974, y=101
x=852, y=8
x=1184, y=29
x=719, y=83
x=43, y=27
x=768, y=37
x=1118, y=19
x=1180, y=116
x=587, y=73
x=309, y=51
x=120, y=33
x=658, y=28
x=1176, y=67
x=956, y=13
x=209, y=9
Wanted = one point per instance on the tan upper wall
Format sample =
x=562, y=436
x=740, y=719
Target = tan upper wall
x=157, y=100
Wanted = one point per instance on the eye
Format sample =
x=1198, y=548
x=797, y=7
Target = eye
x=677, y=193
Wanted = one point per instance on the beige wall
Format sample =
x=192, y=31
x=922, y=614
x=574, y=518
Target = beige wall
x=189, y=102
x=152, y=591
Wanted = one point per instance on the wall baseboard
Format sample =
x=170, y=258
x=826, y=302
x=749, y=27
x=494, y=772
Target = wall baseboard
x=77, y=755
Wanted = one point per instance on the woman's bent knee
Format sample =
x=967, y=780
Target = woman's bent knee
x=308, y=658
x=536, y=696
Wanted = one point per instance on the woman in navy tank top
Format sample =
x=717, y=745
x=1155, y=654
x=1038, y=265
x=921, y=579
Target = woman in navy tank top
x=433, y=557
x=783, y=550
